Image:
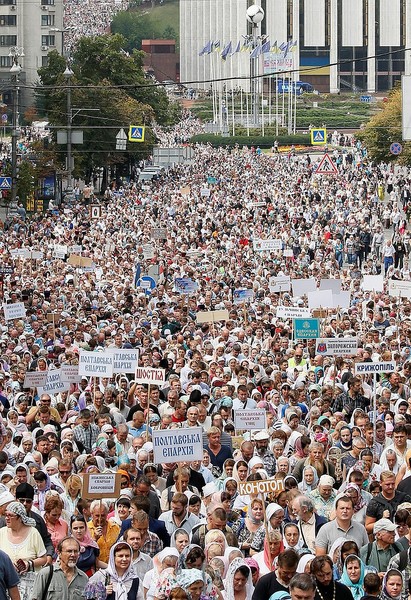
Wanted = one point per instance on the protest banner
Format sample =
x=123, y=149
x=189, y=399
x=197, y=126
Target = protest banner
x=75, y=249
x=306, y=329
x=364, y=368
x=35, y=379
x=177, y=445
x=60, y=251
x=70, y=373
x=303, y=286
x=212, y=316
x=54, y=384
x=95, y=364
x=250, y=419
x=336, y=346
x=373, y=283
x=331, y=284
x=21, y=253
x=124, y=360
x=320, y=299
x=280, y=284
x=399, y=288
x=37, y=255
x=260, y=245
x=150, y=375
x=185, y=285
x=242, y=295
x=6, y=269
x=292, y=312
x=97, y=486
x=342, y=300
x=265, y=486
x=159, y=233
x=17, y=310
x=288, y=253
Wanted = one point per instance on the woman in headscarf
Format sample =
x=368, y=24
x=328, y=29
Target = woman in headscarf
x=360, y=505
x=192, y=580
x=228, y=468
x=240, y=471
x=292, y=538
x=273, y=545
x=119, y=579
x=339, y=551
x=309, y=480
x=353, y=576
x=392, y=585
x=179, y=539
x=26, y=446
x=88, y=560
x=230, y=486
x=164, y=560
x=300, y=450
x=238, y=583
x=21, y=541
x=255, y=569
x=245, y=528
x=305, y=563
x=345, y=442
x=121, y=510
x=192, y=557
x=275, y=515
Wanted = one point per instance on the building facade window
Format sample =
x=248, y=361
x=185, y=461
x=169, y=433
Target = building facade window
x=8, y=20
x=6, y=61
x=47, y=20
x=48, y=40
x=47, y=2
x=8, y=40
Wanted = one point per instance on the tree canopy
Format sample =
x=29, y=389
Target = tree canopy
x=111, y=83
x=383, y=129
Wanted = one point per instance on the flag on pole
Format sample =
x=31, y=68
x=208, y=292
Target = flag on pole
x=274, y=47
x=226, y=51
x=238, y=48
x=137, y=274
x=266, y=47
x=217, y=46
x=206, y=50
x=256, y=52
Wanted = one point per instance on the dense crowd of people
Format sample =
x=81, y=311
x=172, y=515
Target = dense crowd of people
x=337, y=525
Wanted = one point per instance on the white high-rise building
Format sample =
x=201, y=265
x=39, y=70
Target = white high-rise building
x=341, y=44
x=33, y=27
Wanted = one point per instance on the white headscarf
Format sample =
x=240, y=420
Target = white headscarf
x=229, y=580
x=123, y=583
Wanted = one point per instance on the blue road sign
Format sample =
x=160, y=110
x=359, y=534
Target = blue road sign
x=5, y=183
x=318, y=136
x=395, y=148
x=136, y=133
x=366, y=99
x=4, y=118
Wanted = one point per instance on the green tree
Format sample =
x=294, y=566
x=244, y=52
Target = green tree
x=104, y=78
x=134, y=27
x=385, y=128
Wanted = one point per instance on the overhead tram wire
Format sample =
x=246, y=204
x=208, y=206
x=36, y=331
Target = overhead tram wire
x=301, y=71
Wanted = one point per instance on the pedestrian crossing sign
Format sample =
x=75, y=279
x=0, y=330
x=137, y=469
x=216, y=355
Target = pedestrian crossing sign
x=136, y=133
x=318, y=137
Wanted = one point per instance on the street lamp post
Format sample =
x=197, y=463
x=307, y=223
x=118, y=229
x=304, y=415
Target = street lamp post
x=15, y=69
x=68, y=73
x=64, y=52
x=255, y=14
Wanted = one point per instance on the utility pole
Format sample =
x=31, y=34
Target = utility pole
x=15, y=71
x=68, y=74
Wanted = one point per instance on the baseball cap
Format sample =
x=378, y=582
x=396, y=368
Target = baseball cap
x=384, y=525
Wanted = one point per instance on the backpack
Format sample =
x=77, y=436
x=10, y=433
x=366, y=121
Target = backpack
x=402, y=553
